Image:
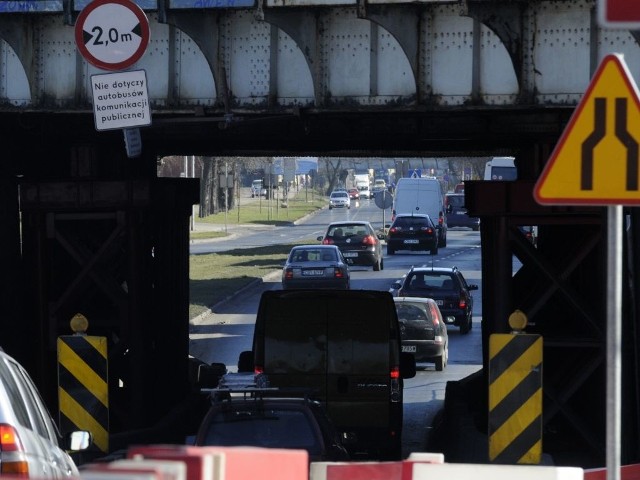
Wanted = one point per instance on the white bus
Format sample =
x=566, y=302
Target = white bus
x=500, y=168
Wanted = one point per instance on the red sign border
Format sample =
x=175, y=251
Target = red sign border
x=84, y=51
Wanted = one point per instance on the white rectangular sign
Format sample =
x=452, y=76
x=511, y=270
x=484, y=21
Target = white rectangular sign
x=120, y=100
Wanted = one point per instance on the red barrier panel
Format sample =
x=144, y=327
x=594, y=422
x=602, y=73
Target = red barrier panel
x=240, y=463
x=132, y=469
x=627, y=472
x=372, y=470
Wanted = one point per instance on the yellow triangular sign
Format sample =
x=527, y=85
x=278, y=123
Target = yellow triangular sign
x=597, y=160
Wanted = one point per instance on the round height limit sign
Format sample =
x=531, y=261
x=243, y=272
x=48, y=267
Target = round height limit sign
x=112, y=34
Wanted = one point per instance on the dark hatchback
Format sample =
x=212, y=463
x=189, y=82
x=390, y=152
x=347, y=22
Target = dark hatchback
x=457, y=215
x=265, y=418
x=447, y=286
x=358, y=242
x=423, y=331
x=412, y=232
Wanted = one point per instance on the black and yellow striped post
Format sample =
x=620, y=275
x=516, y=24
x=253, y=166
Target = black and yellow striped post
x=515, y=395
x=83, y=393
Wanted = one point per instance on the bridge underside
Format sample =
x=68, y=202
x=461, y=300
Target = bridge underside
x=86, y=229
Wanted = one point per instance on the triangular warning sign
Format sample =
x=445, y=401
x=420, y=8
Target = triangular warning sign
x=597, y=160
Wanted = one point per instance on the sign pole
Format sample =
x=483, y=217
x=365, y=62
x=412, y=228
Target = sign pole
x=614, y=339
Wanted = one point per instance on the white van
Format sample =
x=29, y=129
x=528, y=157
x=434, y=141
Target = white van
x=422, y=195
x=501, y=168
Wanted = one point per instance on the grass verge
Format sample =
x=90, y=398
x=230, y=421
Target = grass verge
x=216, y=276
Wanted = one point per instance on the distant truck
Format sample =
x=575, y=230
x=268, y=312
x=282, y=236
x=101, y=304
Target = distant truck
x=362, y=179
x=500, y=168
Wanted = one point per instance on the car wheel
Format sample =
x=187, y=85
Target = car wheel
x=381, y=263
x=434, y=251
x=376, y=266
x=330, y=207
x=444, y=241
x=440, y=363
x=466, y=326
x=390, y=251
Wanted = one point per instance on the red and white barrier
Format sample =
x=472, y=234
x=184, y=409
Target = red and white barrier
x=371, y=470
x=135, y=470
x=627, y=472
x=237, y=463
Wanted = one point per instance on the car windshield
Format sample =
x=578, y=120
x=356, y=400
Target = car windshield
x=431, y=281
x=262, y=428
x=339, y=194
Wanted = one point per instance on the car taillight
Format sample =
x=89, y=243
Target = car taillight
x=428, y=230
x=327, y=241
x=258, y=369
x=369, y=240
x=394, y=375
x=288, y=273
x=462, y=303
x=440, y=220
x=15, y=465
x=337, y=273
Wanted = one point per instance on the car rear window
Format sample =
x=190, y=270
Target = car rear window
x=348, y=230
x=408, y=222
x=455, y=200
x=311, y=255
x=268, y=427
x=432, y=280
x=407, y=311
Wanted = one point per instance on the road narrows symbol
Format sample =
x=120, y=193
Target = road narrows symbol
x=597, y=159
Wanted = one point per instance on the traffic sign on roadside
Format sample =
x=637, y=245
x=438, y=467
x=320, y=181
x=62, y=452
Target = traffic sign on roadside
x=112, y=34
x=596, y=161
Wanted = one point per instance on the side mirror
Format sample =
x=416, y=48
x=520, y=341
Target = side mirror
x=473, y=287
x=320, y=238
x=78, y=440
x=407, y=365
x=396, y=285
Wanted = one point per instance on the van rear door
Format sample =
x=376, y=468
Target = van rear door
x=359, y=362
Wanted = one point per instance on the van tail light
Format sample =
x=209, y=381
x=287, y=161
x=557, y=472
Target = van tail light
x=327, y=241
x=258, y=369
x=337, y=273
x=394, y=375
x=462, y=303
x=12, y=458
x=369, y=240
x=288, y=273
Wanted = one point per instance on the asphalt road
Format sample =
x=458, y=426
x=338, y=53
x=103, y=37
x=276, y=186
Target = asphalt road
x=228, y=330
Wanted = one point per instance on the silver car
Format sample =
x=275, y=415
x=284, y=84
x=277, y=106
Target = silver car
x=30, y=444
x=315, y=266
x=339, y=199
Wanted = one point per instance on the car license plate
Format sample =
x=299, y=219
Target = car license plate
x=411, y=241
x=409, y=348
x=461, y=213
x=350, y=254
x=312, y=273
